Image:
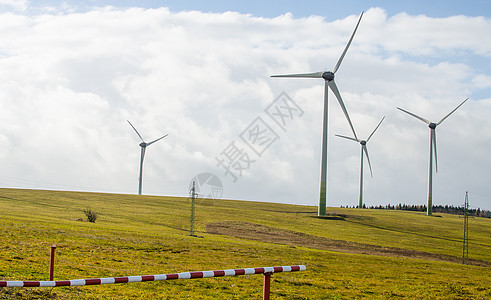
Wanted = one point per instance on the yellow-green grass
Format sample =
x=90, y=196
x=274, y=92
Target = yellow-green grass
x=146, y=235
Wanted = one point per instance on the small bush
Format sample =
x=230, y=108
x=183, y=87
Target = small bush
x=91, y=215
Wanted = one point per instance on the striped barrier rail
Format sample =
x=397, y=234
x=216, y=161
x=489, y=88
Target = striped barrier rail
x=267, y=271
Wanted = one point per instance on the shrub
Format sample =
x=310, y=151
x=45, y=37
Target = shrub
x=91, y=215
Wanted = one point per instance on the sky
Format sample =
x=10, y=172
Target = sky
x=72, y=74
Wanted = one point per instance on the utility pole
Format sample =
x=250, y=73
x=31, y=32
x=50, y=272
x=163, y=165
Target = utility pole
x=193, y=198
x=465, y=249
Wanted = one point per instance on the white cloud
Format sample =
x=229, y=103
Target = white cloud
x=69, y=82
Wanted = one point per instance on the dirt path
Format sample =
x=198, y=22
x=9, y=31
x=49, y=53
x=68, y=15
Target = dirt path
x=256, y=232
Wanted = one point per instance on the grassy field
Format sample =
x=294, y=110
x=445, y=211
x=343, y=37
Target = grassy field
x=350, y=254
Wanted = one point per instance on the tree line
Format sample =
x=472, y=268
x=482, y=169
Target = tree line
x=448, y=209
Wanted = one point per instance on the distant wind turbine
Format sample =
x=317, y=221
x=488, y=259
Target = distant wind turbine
x=328, y=77
x=432, y=148
x=143, y=146
x=364, y=149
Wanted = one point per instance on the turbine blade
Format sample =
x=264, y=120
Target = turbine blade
x=335, y=90
x=375, y=129
x=434, y=147
x=368, y=159
x=303, y=75
x=451, y=112
x=136, y=131
x=414, y=115
x=148, y=144
x=347, y=46
x=347, y=137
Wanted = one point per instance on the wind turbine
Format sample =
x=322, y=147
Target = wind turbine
x=329, y=83
x=143, y=146
x=432, y=148
x=364, y=149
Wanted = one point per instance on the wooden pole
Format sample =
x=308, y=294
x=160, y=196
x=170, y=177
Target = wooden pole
x=267, y=285
x=52, y=262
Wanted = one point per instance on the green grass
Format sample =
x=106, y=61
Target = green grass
x=146, y=235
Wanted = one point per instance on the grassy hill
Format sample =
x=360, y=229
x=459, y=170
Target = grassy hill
x=351, y=253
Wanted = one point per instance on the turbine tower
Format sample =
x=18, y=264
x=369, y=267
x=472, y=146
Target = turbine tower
x=329, y=83
x=364, y=149
x=432, y=148
x=143, y=146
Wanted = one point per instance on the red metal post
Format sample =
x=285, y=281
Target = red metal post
x=52, y=262
x=267, y=284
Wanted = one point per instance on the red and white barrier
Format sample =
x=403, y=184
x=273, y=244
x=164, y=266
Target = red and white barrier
x=128, y=279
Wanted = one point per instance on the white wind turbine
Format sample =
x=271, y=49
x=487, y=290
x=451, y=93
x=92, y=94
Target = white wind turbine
x=143, y=146
x=432, y=148
x=329, y=83
x=364, y=149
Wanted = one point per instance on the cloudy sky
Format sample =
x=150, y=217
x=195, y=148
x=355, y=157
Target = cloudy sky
x=72, y=74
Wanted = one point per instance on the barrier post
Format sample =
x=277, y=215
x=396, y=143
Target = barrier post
x=267, y=285
x=52, y=262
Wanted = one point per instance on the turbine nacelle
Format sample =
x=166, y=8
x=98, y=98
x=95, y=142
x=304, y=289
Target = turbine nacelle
x=143, y=144
x=328, y=76
x=363, y=142
x=432, y=125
